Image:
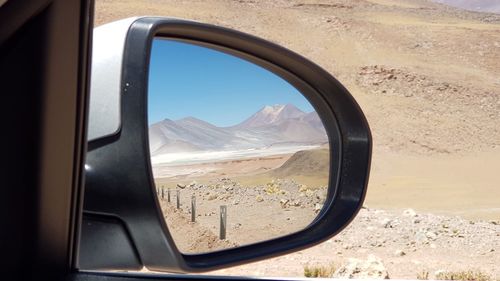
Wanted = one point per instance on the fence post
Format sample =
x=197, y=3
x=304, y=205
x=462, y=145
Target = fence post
x=162, y=193
x=223, y=222
x=168, y=195
x=193, y=208
x=178, y=199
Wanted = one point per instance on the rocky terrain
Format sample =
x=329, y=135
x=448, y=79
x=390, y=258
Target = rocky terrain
x=455, y=100
x=395, y=244
x=377, y=244
x=255, y=212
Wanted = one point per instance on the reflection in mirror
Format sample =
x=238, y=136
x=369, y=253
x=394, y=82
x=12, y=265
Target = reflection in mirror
x=239, y=155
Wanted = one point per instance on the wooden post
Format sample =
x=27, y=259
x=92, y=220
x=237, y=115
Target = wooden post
x=193, y=208
x=168, y=195
x=178, y=199
x=162, y=193
x=223, y=222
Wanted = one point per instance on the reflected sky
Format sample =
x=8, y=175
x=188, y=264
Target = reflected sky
x=189, y=80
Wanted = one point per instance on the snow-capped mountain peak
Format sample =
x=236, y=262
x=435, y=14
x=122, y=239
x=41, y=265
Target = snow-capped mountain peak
x=272, y=109
x=271, y=114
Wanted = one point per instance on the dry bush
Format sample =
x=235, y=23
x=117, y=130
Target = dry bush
x=423, y=275
x=468, y=275
x=319, y=270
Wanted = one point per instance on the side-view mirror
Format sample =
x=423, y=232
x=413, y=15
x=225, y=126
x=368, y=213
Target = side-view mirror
x=208, y=148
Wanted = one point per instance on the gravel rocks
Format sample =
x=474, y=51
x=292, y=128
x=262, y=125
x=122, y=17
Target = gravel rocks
x=370, y=268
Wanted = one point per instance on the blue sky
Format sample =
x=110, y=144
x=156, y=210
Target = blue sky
x=189, y=80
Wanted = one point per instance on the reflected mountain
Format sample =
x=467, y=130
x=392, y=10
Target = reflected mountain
x=272, y=126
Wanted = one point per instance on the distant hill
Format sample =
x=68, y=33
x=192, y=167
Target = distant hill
x=490, y=6
x=194, y=134
x=271, y=126
x=315, y=162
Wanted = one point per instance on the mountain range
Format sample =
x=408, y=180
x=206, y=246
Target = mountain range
x=277, y=125
x=491, y=6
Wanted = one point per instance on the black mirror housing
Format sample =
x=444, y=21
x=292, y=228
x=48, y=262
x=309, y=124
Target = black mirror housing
x=122, y=225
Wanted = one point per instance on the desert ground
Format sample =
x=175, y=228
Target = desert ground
x=265, y=197
x=427, y=77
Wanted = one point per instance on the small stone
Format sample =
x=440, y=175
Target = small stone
x=400, y=253
x=284, y=203
x=181, y=186
x=259, y=198
x=318, y=207
x=409, y=213
x=431, y=235
x=387, y=223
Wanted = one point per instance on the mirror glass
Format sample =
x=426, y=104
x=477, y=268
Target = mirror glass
x=238, y=154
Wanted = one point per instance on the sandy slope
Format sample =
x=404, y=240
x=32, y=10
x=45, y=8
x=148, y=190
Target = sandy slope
x=458, y=185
